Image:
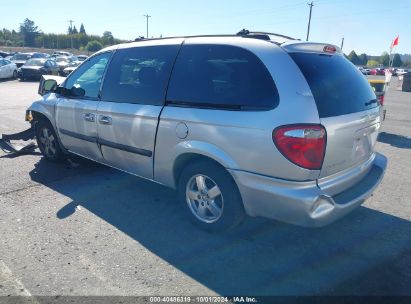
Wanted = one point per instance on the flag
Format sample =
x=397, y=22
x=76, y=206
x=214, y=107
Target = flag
x=395, y=41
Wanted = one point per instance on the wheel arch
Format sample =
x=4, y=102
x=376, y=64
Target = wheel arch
x=41, y=114
x=186, y=159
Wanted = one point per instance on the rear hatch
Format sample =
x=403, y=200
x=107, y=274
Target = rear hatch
x=347, y=108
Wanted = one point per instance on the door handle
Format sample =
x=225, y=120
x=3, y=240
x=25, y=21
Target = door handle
x=105, y=120
x=89, y=117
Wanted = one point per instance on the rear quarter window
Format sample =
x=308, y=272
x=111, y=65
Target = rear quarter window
x=219, y=76
x=338, y=87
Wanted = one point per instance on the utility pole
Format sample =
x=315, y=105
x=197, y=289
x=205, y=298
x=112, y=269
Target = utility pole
x=342, y=43
x=147, y=16
x=309, y=19
x=71, y=32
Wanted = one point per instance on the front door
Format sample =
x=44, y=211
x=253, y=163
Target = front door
x=76, y=109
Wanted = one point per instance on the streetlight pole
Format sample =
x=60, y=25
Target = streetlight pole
x=147, y=16
x=71, y=32
x=309, y=19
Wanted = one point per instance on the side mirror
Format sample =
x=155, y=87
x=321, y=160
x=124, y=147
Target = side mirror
x=49, y=84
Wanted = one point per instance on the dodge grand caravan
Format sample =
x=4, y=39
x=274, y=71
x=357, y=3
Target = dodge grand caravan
x=248, y=124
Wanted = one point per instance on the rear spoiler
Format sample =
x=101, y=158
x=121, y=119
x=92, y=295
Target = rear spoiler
x=311, y=47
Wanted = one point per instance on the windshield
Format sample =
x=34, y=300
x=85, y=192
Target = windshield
x=39, y=55
x=21, y=57
x=35, y=62
x=337, y=86
x=62, y=59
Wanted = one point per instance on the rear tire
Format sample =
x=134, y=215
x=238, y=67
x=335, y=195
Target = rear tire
x=210, y=196
x=47, y=141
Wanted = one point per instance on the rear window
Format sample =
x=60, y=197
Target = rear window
x=337, y=86
x=221, y=76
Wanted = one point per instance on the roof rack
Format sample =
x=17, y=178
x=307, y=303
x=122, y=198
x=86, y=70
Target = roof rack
x=262, y=35
x=242, y=33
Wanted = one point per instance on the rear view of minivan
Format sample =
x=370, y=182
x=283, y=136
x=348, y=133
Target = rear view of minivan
x=239, y=125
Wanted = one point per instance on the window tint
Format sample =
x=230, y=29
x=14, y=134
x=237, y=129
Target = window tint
x=337, y=86
x=139, y=75
x=89, y=75
x=221, y=76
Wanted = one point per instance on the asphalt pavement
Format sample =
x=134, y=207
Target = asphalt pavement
x=84, y=229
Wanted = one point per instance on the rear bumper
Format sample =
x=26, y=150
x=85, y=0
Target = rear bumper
x=305, y=203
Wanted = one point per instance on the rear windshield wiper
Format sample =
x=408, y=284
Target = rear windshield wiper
x=370, y=102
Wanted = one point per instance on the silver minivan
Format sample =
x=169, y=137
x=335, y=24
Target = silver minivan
x=252, y=124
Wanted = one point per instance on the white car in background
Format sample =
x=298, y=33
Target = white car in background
x=364, y=71
x=401, y=72
x=8, y=69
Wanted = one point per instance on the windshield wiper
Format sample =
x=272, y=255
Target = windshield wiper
x=370, y=102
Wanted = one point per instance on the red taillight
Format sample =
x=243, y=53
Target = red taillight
x=304, y=145
x=329, y=49
x=381, y=99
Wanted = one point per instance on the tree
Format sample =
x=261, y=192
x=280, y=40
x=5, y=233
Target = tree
x=363, y=59
x=385, y=59
x=74, y=30
x=108, y=38
x=29, y=31
x=94, y=46
x=69, y=30
x=372, y=63
x=397, y=62
x=354, y=58
x=82, y=30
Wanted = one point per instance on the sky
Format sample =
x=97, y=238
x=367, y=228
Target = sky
x=368, y=26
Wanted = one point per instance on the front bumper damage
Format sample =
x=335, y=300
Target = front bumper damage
x=18, y=143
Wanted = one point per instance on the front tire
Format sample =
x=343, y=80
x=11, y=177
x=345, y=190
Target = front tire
x=210, y=196
x=47, y=141
x=14, y=74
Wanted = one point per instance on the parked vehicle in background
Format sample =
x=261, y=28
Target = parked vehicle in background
x=61, y=53
x=36, y=67
x=71, y=67
x=377, y=71
x=4, y=54
x=40, y=55
x=379, y=86
x=8, y=69
x=224, y=95
x=20, y=58
x=63, y=62
x=82, y=57
x=402, y=71
x=364, y=71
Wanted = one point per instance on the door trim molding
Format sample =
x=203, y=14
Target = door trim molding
x=110, y=144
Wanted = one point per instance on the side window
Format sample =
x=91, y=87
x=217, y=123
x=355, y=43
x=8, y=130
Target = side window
x=2, y=63
x=88, y=76
x=221, y=76
x=139, y=75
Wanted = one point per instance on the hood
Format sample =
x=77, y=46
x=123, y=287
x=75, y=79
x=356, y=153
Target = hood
x=31, y=67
